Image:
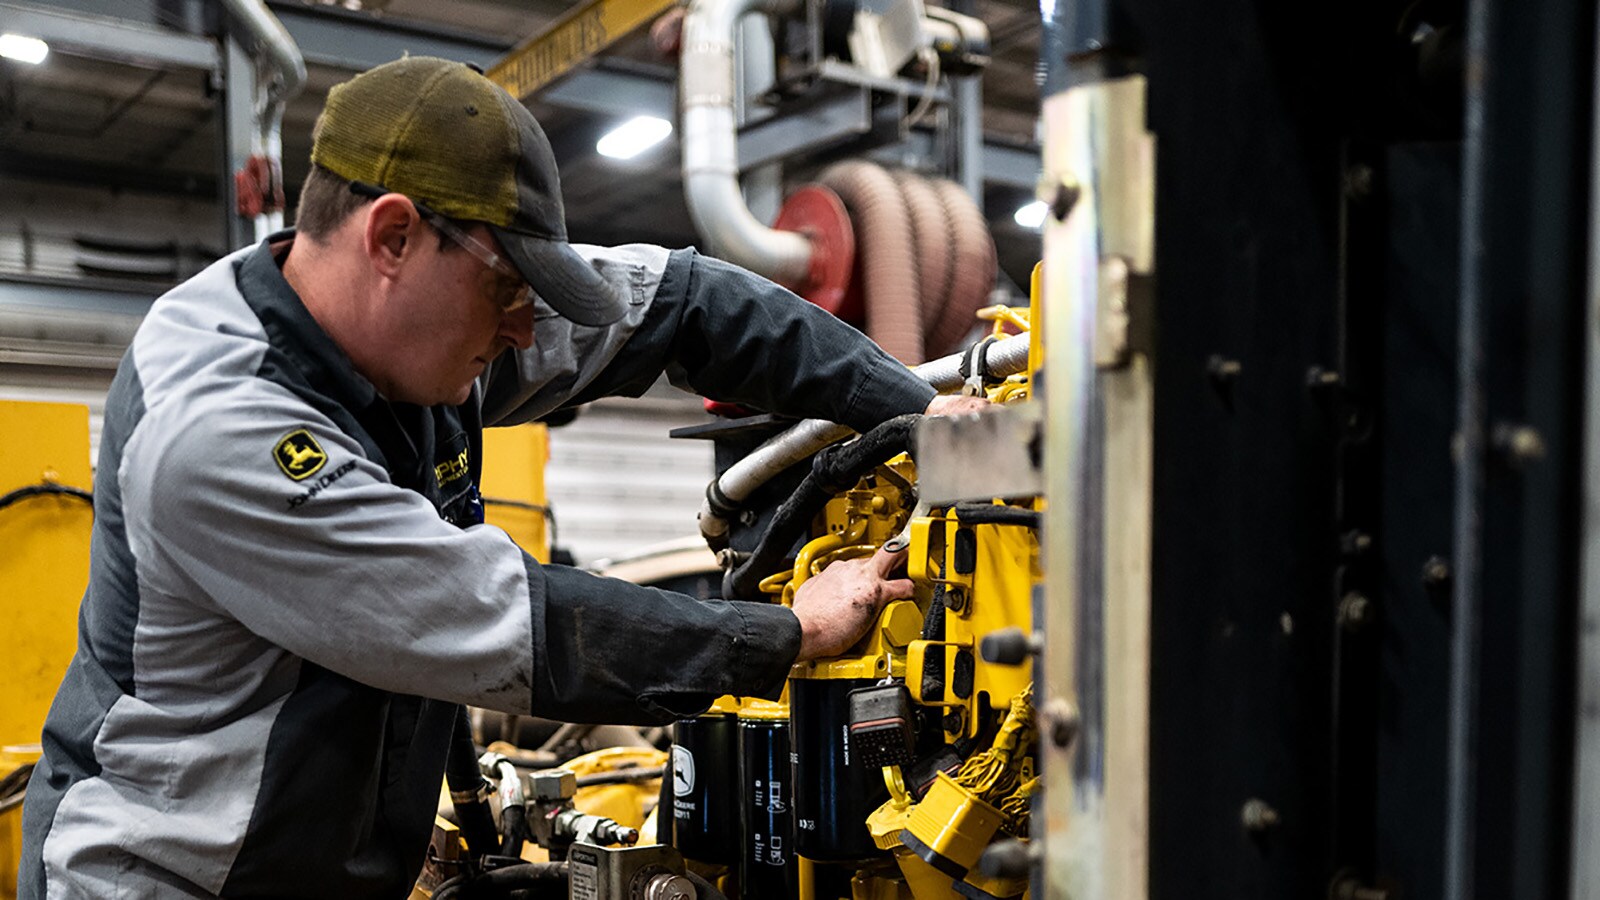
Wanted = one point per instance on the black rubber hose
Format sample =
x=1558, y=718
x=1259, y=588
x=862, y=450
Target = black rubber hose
x=989, y=514
x=45, y=489
x=621, y=776
x=705, y=888
x=834, y=469
x=466, y=790
x=534, y=880
x=514, y=829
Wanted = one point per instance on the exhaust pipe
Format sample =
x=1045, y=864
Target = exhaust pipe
x=710, y=146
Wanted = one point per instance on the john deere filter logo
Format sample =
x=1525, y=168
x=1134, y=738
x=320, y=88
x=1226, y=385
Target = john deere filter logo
x=299, y=455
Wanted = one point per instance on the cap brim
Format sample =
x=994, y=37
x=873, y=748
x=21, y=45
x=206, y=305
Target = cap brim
x=563, y=279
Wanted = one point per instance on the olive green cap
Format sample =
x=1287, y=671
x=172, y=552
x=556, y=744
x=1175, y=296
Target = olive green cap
x=442, y=134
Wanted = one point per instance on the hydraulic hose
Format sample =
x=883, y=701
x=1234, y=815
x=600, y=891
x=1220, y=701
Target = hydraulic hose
x=535, y=881
x=469, y=792
x=834, y=469
x=1007, y=356
x=704, y=888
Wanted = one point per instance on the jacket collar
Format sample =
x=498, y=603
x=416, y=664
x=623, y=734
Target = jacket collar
x=293, y=331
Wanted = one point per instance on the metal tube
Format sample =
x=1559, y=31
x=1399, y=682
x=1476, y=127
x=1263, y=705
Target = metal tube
x=710, y=145
x=1005, y=357
x=273, y=46
x=1467, y=550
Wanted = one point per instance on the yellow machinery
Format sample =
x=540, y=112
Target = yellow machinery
x=43, y=571
x=886, y=773
x=513, y=485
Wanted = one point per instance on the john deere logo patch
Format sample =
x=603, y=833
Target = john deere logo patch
x=299, y=455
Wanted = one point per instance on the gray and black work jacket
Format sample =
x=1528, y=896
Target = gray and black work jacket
x=284, y=608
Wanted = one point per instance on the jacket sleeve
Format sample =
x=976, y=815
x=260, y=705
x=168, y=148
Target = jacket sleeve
x=727, y=334
x=360, y=576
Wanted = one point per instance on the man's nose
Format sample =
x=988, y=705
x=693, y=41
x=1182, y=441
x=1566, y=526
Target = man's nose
x=517, y=327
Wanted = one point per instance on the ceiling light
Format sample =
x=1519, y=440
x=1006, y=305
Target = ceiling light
x=633, y=137
x=29, y=50
x=1031, y=215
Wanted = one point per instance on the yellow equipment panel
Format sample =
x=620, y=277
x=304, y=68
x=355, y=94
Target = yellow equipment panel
x=44, y=566
x=513, y=485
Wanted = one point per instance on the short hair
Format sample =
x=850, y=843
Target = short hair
x=326, y=201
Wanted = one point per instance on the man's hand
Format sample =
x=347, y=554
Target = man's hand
x=838, y=606
x=956, y=405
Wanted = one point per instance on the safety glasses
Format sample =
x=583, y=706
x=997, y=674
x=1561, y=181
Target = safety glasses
x=507, y=300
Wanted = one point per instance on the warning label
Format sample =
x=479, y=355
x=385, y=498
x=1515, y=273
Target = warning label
x=583, y=874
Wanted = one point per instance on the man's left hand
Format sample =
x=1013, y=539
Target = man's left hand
x=956, y=405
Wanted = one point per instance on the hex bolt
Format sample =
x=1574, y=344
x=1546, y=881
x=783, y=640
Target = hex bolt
x=1355, y=543
x=670, y=887
x=1222, y=371
x=1355, y=611
x=1436, y=572
x=1062, y=718
x=1320, y=379
x=1256, y=816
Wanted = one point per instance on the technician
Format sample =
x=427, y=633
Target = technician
x=291, y=588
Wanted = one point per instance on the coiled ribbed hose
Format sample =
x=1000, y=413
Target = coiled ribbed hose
x=973, y=269
x=924, y=257
x=932, y=232
x=885, y=254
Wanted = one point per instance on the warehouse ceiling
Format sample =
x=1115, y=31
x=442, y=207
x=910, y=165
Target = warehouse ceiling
x=142, y=128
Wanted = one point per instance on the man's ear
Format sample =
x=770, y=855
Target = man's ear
x=390, y=233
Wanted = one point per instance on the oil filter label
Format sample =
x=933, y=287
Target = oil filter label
x=682, y=771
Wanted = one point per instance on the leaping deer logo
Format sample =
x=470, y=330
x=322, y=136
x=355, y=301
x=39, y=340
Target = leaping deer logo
x=299, y=455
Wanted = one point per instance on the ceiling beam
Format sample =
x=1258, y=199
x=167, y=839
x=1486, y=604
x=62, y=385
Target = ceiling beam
x=110, y=37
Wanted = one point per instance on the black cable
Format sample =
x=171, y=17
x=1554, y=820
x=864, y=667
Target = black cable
x=15, y=780
x=546, y=511
x=45, y=489
x=523, y=879
x=990, y=514
x=622, y=776
x=834, y=469
x=704, y=888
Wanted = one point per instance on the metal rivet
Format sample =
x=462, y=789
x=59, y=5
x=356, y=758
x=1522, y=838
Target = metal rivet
x=1435, y=572
x=1063, y=721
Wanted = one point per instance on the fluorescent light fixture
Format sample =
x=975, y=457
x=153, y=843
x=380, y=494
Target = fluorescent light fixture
x=634, y=137
x=1030, y=216
x=23, y=49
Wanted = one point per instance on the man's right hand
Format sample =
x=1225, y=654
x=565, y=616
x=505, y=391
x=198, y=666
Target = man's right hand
x=836, y=607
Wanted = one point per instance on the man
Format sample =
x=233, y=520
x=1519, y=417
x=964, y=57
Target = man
x=291, y=591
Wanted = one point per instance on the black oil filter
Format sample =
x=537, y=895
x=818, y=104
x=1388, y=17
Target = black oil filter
x=834, y=791
x=705, y=788
x=767, y=867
